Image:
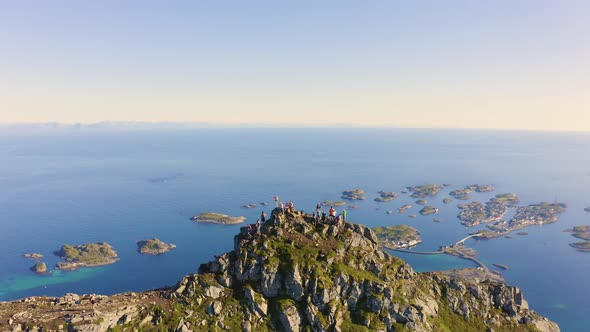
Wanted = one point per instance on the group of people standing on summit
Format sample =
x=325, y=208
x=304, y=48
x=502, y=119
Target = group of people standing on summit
x=319, y=216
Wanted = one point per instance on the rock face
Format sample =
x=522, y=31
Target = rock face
x=299, y=276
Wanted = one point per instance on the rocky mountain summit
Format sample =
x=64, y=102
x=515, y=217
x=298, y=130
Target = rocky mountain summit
x=294, y=276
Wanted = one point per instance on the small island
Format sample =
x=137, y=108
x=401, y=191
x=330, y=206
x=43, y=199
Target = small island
x=333, y=203
x=481, y=188
x=428, y=210
x=218, y=218
x=582, y=233
x=581, y=246
x=506, y=199
x=352, y=207
x=386, y=196
x=153, y=247
x=404, y=208
x=248, y=206
x=421, y=202
x=462, y=194
x=447, y=200
x=39, y=268
x=354, y=194
x=33, y=255
x=412, y=216
x=425, y=190
x=86, y=255
x=398, y=237
x=587, y=209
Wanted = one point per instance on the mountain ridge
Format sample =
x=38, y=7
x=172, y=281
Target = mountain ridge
x=295, y=275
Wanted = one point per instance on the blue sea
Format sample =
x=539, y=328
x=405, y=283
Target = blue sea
x=67, y=186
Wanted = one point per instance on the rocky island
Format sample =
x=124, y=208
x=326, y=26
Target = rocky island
x=333, y=203
x=33, y=255
x=298, y=276
x=86, y=255
x=398, y=237
x=39, y=268
x=153, y=247
x=386, y=196
x=421, y=202
x=404, y=208
x=354, y=194
x=582, y=233
x=481, y=188
x=218, y=218
x=428, y=210
x=587, y=209
x=425, y=190
x=447, y=200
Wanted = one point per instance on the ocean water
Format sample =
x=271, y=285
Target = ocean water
x=77, y=186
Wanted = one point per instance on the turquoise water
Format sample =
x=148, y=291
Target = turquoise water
x=80, y=186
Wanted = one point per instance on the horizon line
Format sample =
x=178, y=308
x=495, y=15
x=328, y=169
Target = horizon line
x=136, y=124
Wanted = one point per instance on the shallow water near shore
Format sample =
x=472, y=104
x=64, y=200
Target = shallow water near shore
x=123, y=186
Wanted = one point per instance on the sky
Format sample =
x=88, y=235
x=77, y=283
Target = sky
x=504, y=64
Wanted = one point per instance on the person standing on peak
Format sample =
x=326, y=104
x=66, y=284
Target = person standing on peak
x=262, y=217
x=344, y=215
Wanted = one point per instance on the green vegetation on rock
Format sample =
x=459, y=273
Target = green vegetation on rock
x=218, y=218
x=39, y=268
x=86, y=255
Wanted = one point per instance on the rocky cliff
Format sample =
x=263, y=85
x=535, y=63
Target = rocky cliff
x=294, y=276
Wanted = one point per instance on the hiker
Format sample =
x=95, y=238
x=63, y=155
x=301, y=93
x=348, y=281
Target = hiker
x=318, y=207
x=282, y=206
x=344, y=215
x=276, y=199
x=258, y=227
x=323, y=216
x=338, y=220
x=262, y=217
x=332, y=212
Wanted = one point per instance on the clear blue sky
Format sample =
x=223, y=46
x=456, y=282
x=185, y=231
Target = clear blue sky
x=469, y=64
